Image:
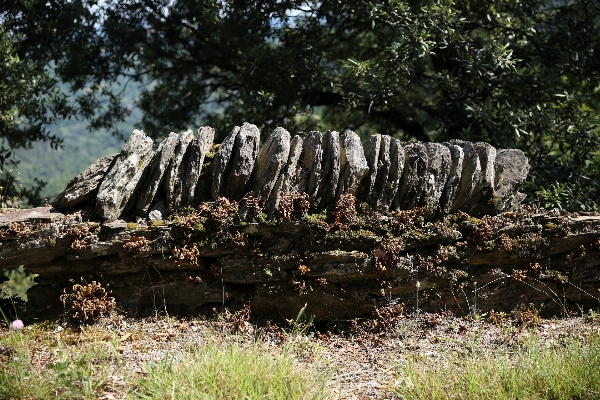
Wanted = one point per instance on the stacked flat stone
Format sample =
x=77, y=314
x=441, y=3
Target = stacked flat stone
x=385, y=172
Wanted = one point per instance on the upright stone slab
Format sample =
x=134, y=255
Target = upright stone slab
x=483, y=194
x=288, y=179
x=243, y=159
x=176, y=172
x=414, y=177
x=371, y=148
x=330, y=175
x=470, y=176
x=439, y=162
x=353, y=165
x=84, y=187
x=271, y=160
x=197, y=150
x=158, y=167
x=383, y=173
x=512, y=168
x=453, y=182
x=220, y=167
x=393, y=180
x=312, y=161
x=119, y=186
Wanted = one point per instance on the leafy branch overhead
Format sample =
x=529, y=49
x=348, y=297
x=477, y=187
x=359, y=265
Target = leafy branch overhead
x=18, y=283
x=516, y=74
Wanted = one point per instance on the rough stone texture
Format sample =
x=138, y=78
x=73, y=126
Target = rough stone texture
x=439, y=162
x=385, y=173
x=540, y=254
x=84, y=187
x=193, y=168
x=471, y=174
x=312, y=162
x=158, y=210
x=393, y=180
x=414, y=177
x=330, y=174
x=175, y=177
x=242, y=162
x=271, y=160
x=353, y=165
x=119, y=186
x=454, y=176
x=158, y=166
x=483, y=193
x=372, y=147
x=512, y=168
x=221, y=162
x=285, y=182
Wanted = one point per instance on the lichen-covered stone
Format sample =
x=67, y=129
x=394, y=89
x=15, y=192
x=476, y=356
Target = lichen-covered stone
x=271, y=160
x=83, y=188
x=454, y=176
x=483, y=193
x=286, y=181
x=330, y=174
x=392, y=182
x=439, y=162
x=220, y=167
x=157, y=169
x=414, y=177
x=312, y=161
x=121, y=182
x=243, y=158
x=353, y=165
x=197, y=150
x=174, y=179
x=372, y=147
x=512, y=168
x=470, y=176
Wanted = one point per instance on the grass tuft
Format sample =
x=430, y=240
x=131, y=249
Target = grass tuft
x=563, y=370
x=230, y=371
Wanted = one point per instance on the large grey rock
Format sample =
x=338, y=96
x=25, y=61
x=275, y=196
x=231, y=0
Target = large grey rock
x=330, y=174
x=242, y=163
x=220, y=167
x=271, y=160
x=312, y=161
x=287, y=181
x=470, y=176
x=353, y=165
x=158, y=167
x=174, y=179
x=414, y=177
x=511, y=170
x=119, y=186
x=453, y=182
x=83, y=188
x=371, y=148
x=391, y=184
x=439, y=162
x=483, y=194
x=197, y=150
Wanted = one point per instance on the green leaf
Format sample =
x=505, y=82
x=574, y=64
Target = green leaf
x=18, y=283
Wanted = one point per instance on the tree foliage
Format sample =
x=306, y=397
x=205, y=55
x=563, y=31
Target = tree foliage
x=522, y=74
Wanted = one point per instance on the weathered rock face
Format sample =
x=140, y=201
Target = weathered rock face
x=158, y=167
x=84, y=187
x=120, y=184
x=386, y=173
x=547, y=258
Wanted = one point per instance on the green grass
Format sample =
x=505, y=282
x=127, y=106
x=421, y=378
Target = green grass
x=569, y=369
x=230, y=372
x=75, y=369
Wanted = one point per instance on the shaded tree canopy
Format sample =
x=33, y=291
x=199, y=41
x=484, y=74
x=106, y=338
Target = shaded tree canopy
x=522, y=74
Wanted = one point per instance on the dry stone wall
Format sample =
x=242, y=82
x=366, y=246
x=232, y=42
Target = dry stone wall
x=386, y=173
